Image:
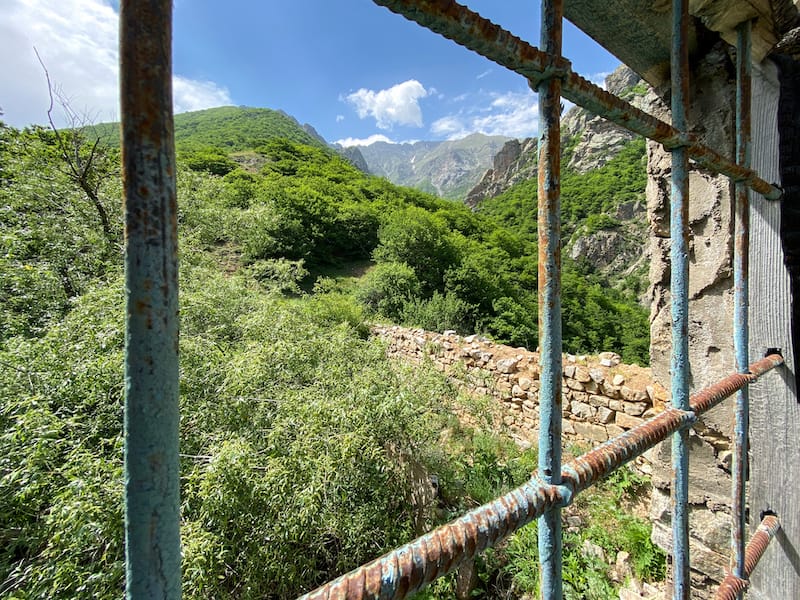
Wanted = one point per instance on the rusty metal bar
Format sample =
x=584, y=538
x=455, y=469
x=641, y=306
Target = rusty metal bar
x=588, y=469
x=733, y=585
x=740, y=294
x=409, y=568
x=679, y=298
x=467, y=28
x=549, y=283
x=152, y=513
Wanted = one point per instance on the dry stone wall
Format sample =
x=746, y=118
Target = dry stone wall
x=602, y=398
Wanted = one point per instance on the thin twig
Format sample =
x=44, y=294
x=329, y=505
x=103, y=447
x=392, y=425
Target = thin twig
x=16, y=368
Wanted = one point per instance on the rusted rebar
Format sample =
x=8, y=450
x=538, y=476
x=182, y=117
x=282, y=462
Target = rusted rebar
x=733, y=585
x=467, y=28
x=152, y=503
x=409, y=568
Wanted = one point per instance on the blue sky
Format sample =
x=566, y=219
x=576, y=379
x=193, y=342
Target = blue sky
x=350, y=68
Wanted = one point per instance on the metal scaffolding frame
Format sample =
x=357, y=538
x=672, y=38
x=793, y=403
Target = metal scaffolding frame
x=151, y=361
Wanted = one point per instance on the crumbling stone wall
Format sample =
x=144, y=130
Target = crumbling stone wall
x=602, y=398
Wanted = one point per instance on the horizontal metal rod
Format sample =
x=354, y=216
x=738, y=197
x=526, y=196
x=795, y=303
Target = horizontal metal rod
x=411, y=567
x=467, y=28
x=733, y=585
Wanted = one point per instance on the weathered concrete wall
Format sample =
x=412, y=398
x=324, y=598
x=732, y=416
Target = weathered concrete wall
x=711, y=118
x=602, y=398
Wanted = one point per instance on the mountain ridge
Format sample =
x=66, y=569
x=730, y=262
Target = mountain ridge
x=445, y=168
x=231, y=128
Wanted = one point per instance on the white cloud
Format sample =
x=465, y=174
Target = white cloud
x=78, y=42
x=191, y=94
x=449, y=126
x=599, y=79
x=339, y=118
x=513, y=114
x=484, y=74
x=397, y=105
x=377, y=137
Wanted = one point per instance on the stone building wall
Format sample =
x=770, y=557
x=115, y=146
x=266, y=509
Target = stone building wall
x=711, y=118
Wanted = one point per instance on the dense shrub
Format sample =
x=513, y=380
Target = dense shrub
x=417, y=238
x=387, y=288
x=298, y=440
x=440, y=312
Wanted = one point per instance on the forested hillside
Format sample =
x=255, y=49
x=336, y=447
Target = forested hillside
x=230, y=128
x=606, y=202
x=301, y=444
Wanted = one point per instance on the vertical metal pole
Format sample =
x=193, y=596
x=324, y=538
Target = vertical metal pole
x=549, y=235
x=679, y=290
x=740, y=313
x=152, y=533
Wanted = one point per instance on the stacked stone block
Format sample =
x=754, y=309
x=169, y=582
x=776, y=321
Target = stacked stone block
x=601, y=398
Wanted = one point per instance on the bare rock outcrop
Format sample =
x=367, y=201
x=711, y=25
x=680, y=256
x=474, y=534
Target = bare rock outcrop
x=516, y=161
x=588, y=141
x=591, y=141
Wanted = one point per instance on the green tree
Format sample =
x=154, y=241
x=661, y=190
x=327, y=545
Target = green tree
x=387, y=288
x=55, y=241
x=209, y=159
x=417, y=238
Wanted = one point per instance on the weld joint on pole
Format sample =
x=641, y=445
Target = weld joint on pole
x=557, y=71
x=689, y=418
x=564, y=492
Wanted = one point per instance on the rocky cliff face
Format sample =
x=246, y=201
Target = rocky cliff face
x=616, y=248
x=353, y=155
x=588, y=142
x=516, y=161
x=616, y=251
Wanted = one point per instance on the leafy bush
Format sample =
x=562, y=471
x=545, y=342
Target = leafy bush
x=387, y=288
x=209, y=159
x=439, y=313
x=596, y=222
x=514, y=323
x=279, y=274
x=609, y=524
x=298, y=439
x=417, y=238
x=629, y=533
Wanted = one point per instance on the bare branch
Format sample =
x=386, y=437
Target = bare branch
x=78, y=170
